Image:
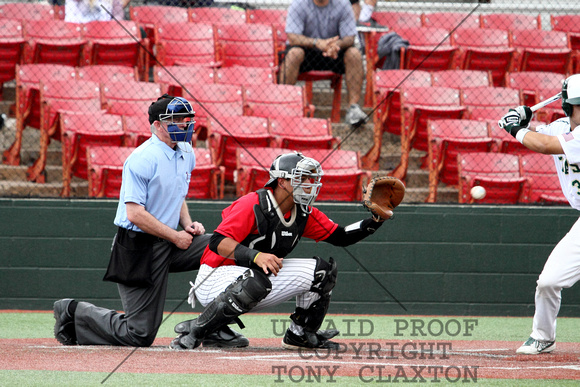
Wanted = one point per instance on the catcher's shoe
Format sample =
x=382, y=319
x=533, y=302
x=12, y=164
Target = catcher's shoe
x=312, y=341
x=64, y=327
x=534, y=347
x=225, y=337
x=185, y=341
x=328, y=333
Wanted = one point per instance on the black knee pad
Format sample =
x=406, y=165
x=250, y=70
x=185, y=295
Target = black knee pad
x=325, y=274
x=248, y=290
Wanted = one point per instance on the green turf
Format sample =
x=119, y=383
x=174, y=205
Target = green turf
x=51, y=378
x=39, y=325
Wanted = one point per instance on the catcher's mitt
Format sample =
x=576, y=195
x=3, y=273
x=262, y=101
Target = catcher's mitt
x=382, y=195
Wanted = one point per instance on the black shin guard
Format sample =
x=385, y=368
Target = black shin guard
x=239, y=297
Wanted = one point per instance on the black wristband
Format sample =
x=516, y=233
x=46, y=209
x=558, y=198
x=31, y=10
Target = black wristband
x=244, y=256
x=370, y=225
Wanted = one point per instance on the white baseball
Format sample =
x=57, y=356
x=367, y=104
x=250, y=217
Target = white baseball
x=478, y=192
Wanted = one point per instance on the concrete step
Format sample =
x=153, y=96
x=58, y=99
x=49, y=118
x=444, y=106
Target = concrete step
x=18, y=173
x=79, y=188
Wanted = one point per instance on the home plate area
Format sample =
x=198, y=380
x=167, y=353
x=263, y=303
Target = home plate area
x=370, y=361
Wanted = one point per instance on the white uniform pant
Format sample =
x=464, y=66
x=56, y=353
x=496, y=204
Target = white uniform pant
x=293, y=280
x=562, y=270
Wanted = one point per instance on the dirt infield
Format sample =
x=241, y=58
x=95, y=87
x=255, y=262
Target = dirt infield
x=372, y=361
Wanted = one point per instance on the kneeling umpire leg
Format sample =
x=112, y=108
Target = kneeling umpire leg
x=239, y=297
x=311, y=319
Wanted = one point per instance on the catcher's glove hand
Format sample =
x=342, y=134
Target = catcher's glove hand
x=382, y=195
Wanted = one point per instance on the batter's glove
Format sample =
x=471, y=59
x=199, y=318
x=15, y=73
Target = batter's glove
x=516, y=119
x=382, y=195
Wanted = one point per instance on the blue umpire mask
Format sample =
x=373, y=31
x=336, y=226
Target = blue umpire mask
x=179, y=131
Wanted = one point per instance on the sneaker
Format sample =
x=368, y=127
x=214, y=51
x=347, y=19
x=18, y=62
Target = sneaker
x=371, y=25
x=64, y=327
x=225, y=338
x=355, y=115
x=534, y=347
x=312, y=341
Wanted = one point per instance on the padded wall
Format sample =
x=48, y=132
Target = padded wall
x=451, y=260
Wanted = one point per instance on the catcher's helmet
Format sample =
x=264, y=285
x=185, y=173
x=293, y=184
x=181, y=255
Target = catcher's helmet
x=570, y=93
x=165, y=109
x=298, y=169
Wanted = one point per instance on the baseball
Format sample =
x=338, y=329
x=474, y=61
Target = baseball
x=478, y=192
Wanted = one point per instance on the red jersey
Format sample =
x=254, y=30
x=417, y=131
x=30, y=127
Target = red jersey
x=239, y=221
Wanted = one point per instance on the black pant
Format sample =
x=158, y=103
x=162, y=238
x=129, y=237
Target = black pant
x=143, y=306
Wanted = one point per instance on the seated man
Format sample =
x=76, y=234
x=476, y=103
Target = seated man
x=321, y=36
x=244, y=267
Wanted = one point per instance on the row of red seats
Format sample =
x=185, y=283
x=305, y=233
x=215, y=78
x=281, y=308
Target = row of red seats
x=509, y=178
x=492, y=50
x=45, y=91
x=447, y=138
x=404, y=110
x=343, y=176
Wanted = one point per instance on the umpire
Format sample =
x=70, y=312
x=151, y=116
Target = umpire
x=147, y=246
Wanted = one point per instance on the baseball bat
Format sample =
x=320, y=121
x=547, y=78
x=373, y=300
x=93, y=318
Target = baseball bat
x=546, y=102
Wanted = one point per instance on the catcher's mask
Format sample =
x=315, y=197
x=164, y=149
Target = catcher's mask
x=304, y=174
x=166, y=110
x=570, y=93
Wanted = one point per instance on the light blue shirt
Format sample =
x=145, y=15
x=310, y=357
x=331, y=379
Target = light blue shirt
x=308, y=19
x=157, y=177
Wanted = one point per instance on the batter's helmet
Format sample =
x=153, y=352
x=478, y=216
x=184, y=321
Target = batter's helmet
x=165, y=109
x=570, y=93
x=299, y=169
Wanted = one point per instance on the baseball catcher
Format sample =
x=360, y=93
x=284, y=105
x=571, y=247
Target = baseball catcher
x=244, y=268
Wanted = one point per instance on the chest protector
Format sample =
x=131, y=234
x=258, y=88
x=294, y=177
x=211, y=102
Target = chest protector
x=273, y=236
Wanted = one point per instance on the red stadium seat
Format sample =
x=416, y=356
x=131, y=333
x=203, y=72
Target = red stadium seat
x=53, y=41
x=207, y=179
x=28, y=79
x=276, y=100
x=529, y=82
x=387, y=99
x=27, y=11
x=482, y=98
x=172, y=77
x=539, y=50
x=11, y=49
x=105, y=170
x=484, y=49
x=248, y=45
x=448, y=138
x=498, y=173
x=274, y=17
x=461, y=79
x=450, y=20
x=116, y=42
x=302, y=133
x=112, y=73
x=80, y=131
x=511, y=21
x=571, y=25
x=544, y=185
x=216, y=15
x=418, y=105
x=213, y=100
x=55, y=100
x=121, y=92
x=244, y=75
x=187, y=43
x=137, y=128
x=429, y=49
x=226, y=134
x=149, y=16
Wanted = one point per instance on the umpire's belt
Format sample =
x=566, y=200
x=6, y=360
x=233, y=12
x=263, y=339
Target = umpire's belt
x=129, y=237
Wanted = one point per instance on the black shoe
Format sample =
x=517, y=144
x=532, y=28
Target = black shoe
x=185, y=341
x=328, y=333
x=225, y=337
x=64, y=328
x=307, y=340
